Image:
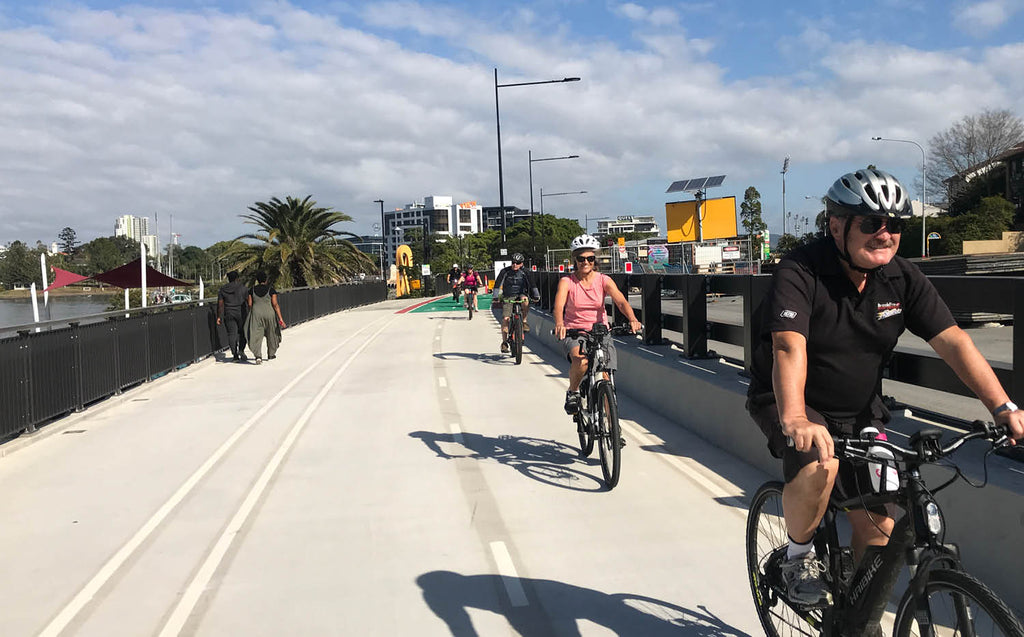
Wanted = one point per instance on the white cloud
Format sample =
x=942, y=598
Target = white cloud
x=981, y=18
x=201, y=113
x=657, y=17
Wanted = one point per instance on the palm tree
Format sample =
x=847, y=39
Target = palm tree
x=298, y=244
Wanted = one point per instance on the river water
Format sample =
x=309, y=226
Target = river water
x=19, y=311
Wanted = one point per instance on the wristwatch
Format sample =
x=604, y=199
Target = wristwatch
x=1007, y=406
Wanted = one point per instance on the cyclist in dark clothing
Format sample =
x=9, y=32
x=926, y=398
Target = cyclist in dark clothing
x=231, y=311
x=828, y=326
x=513, y=283
x=453, y=280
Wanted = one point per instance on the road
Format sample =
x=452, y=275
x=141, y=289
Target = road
x=388, y=474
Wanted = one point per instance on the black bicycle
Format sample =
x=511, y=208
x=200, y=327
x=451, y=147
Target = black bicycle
x=598, y=417
x=469, y=294
x=941, y=599
x=515, y=329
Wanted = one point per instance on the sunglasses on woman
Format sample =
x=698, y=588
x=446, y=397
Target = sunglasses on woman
x=871, y=225
x=587, y=259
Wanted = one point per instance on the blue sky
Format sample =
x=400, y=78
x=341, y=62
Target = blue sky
x=199, y=108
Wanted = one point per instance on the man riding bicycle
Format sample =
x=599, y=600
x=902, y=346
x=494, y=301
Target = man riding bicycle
x=470, y=282
x=454, y=274
x=513, y=284
x=829, y=324
x=579, y=303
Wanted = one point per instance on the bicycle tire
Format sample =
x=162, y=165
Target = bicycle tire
x=470, y=306
x=585, y=433
x=960, y=586
x=766, y=538
x=518, y=337
x=608, y=433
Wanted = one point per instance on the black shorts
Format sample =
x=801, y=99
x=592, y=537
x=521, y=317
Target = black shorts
x=850, y=482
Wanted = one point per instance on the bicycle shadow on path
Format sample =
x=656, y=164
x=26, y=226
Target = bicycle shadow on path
x=554, y=608
x=547, y=461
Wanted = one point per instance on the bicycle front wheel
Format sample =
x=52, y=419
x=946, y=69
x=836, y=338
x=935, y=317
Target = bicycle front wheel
x=518, y=338
x=959, y=605
x=767, y=540
x=608, y=433
x=585, y=433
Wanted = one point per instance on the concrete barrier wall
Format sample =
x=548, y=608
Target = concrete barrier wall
x=708, y=397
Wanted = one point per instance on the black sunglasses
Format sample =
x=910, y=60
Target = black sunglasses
x=871, y=225
x=590, y=259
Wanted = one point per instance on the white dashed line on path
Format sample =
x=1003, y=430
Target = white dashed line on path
x=509, y=576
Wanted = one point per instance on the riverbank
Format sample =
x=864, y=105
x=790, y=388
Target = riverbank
x=65, y=291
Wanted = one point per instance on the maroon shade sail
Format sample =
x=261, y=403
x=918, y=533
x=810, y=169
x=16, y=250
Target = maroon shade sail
x=127, y=276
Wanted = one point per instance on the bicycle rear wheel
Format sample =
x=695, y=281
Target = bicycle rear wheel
x=767, y=540
x=608, y=434
x=518, y=337
x=959, y=605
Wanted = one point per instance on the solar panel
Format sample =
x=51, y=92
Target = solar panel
x=677, y=186
x=696, y=184
x=714, y=182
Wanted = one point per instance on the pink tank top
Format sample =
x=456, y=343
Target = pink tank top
x=585, y=306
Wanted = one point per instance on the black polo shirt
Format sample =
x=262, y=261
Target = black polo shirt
x=850, y=335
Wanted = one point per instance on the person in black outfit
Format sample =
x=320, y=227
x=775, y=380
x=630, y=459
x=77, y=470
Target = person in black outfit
x=827, y=328
x=231, y=312
x=513, y=283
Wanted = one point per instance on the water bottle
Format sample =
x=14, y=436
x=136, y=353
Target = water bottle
x=886, y=466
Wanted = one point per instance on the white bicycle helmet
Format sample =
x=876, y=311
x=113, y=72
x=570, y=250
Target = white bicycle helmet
x=584, y=242
x=868, y=192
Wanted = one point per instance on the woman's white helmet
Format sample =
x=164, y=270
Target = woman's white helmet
x=584, y=242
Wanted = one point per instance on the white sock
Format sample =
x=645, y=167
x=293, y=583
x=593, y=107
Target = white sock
x=799, y=550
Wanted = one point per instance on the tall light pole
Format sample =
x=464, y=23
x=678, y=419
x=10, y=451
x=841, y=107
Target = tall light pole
x=924, y=187
x=497, y=119
x=382, y=233
x=533, y=233
x=785, y=169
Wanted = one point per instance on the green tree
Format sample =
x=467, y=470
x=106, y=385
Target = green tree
x=750, y=217
x=552, y=233
x=106, y=253
x=19, y=266
x=68, y=240
x=988, y=220
x=298, y=245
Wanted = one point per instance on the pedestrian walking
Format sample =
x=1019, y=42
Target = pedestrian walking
x=232, y=309
x=265, y=319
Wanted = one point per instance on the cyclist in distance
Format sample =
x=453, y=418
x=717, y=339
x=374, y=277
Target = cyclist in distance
x=513, y=283
x=469, y=282
x=454, y=274
x=579, y=303
x=830, y=322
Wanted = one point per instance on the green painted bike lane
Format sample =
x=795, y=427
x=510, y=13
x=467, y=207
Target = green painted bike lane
x=446, y=304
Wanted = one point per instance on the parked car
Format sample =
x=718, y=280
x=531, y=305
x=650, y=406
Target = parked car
x=181, y=298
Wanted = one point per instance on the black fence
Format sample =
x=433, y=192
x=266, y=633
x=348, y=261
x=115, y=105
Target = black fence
x=678, y=302
x=69, y=365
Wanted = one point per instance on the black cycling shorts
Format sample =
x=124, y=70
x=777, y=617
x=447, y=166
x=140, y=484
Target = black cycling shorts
x=849, y=483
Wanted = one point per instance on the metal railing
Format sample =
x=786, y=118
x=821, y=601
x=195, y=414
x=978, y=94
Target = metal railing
x=70, y=364
x=689, y=292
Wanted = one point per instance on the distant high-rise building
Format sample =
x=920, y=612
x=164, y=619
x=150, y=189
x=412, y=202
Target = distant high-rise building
x=132, y=227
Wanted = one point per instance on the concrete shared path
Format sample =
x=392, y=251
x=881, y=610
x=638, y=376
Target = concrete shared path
x=389, y=474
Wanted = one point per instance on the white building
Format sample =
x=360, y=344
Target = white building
x=131, y=226
x=152, y=244
x=626, y=224
x=436, y=214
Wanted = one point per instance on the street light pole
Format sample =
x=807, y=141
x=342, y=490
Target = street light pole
x=533, y=233
x=382, y=227
x=924, y=188
x=785, y=169
x=497, y=118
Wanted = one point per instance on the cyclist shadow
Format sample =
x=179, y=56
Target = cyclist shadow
x=546, y=461
x=449, y=595
x=490, y=359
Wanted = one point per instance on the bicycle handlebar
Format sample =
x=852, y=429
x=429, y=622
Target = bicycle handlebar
x=588, y=334
x=928, y=448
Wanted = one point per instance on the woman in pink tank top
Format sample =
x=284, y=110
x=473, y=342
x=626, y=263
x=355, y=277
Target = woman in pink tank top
x=579, y=303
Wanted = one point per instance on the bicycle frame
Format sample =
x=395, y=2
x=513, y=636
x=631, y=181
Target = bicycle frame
x=862, y=597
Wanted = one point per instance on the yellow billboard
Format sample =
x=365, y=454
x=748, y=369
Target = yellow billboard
x=718, y=219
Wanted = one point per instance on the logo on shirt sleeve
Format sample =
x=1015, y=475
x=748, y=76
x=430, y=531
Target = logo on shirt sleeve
x=788, y=314
x=887, y=310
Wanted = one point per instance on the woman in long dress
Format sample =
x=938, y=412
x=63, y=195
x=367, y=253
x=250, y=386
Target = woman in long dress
x=265, y=320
